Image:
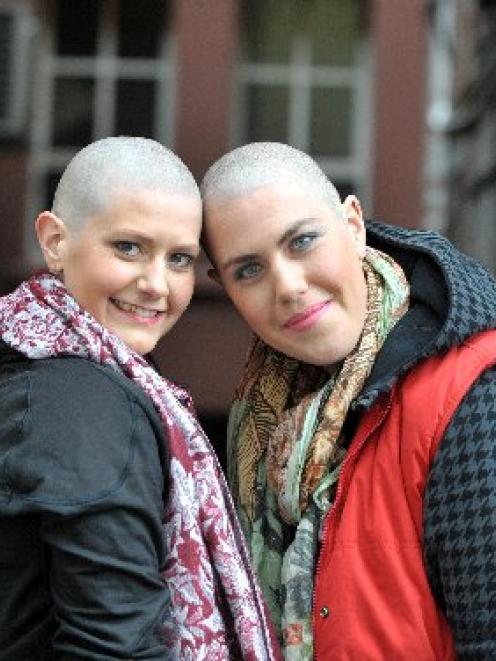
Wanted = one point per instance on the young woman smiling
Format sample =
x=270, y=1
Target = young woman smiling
x=361, y=437
x=118, y=536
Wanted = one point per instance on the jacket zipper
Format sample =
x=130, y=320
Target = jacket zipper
x=349, y=462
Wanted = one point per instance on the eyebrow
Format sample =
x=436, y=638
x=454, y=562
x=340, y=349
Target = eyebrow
x=131, y=234
x=189, y=247
x=290, y=232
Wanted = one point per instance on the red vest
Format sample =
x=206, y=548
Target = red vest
x=372, y=598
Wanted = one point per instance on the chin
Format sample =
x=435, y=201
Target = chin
x=326, y=359
x=145, y=349
x=142, y=348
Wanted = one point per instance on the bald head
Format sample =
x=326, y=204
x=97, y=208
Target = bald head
x=262, y=164
x=103, y=170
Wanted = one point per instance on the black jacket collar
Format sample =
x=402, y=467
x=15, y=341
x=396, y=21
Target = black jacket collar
x=452, y=297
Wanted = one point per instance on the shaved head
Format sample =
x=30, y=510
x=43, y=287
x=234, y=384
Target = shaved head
x=261, y=164
x=103, y=170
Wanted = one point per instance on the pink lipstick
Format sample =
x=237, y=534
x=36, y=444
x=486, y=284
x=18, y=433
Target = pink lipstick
x=305, y=320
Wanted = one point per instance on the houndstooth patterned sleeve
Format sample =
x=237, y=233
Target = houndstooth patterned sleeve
x=460, y=522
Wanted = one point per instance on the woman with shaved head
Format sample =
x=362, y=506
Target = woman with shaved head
x=118, y=536
x=361, y=437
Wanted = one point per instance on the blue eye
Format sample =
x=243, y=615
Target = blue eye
x=247, y=271
x=181, y=260
x=303, y=241
x=127, y=248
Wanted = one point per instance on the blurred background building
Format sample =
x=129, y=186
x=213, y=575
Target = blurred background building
x=460, y=171
x=394, y=98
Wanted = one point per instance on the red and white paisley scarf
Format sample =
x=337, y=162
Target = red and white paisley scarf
x=217, y=611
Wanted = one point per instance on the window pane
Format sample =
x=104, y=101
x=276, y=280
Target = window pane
x=344, y=188
x=267, y=29
x=51, y=181
x=6, y=42
x=267, y=113
x=331, y=122
x=141, y=24
x=76, y=27
x=73, y=112
x=335, y=28
x=135, y=108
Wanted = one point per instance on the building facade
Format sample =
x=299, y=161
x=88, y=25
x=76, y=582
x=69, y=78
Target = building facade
x=461, y=142
x=344, y=81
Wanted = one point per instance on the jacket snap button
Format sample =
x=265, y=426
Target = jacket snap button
x=324, y=612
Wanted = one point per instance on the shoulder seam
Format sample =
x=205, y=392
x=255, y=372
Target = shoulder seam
x=116, y=485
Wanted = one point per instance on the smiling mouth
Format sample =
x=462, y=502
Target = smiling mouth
x=137, y=310
x=306, y=319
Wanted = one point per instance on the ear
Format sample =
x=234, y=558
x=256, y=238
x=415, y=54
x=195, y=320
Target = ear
x=52, y=234
x=353, y=214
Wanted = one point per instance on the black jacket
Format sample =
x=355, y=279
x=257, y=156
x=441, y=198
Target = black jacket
x=82, y=485
x=452, y=298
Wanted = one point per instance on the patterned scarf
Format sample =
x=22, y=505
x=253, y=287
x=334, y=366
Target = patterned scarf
x=216, y=606
x=285, y=451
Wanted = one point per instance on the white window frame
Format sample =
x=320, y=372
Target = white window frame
x=105, y=67
x=299, y=76
x=22, y=23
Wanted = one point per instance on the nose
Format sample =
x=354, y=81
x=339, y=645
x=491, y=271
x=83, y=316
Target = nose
x=289, y=280
x=153, y=281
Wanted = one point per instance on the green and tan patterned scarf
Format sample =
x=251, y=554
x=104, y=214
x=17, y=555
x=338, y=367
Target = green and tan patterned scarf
x=285, y=453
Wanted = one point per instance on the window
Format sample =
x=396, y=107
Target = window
x=103, y=68
x=303, y=80
x=15, y=30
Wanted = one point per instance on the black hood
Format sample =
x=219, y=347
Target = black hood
x=452, y=297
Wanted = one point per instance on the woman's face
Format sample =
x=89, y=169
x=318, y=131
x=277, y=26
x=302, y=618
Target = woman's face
x=293, y=269
x=132, y=266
